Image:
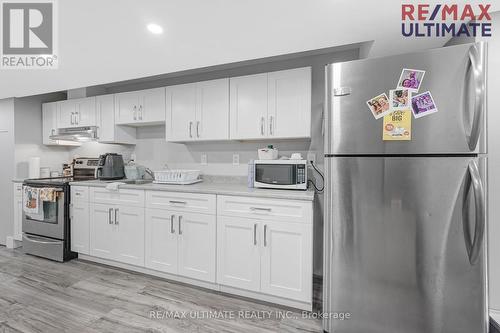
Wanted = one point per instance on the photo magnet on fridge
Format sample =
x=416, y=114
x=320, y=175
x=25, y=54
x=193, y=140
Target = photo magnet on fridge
x=397, y=126
x=400, y=99
x=379, y=106
x=423, y=105
x=411, y=79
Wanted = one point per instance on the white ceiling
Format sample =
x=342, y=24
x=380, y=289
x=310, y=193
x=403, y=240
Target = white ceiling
x=103, y=41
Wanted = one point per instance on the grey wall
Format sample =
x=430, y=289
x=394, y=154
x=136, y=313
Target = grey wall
x=6, y=168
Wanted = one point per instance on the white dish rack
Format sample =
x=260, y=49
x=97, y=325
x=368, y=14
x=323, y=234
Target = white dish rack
x=180, y=177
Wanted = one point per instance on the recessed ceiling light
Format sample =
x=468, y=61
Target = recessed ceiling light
x=155, y=28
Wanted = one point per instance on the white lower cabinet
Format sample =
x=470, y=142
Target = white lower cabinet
x=80, y=220
x=181, y=243
x=117, y=233
x=238, y=253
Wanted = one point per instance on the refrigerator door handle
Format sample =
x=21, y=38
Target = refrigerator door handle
x=476, y=52
x=474, y=249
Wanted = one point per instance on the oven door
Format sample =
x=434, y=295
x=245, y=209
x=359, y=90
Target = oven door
x=270, y=175
x=49, y=222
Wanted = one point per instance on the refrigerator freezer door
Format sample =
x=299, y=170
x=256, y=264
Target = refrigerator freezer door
x=456, y=78
x=401, y=253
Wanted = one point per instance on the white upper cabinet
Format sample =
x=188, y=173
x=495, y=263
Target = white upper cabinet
x=271, y=105
x=76, y=112
x=198, y=111
x=181, y=112
x=144, y=107
x=49, y=126
x=248, y=111
x=107, y=131
x=289, y=103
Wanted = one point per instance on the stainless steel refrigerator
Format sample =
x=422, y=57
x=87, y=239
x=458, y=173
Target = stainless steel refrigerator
x=405, y=245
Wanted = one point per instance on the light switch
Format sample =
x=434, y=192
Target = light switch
x=236, y=159
x=204, y=159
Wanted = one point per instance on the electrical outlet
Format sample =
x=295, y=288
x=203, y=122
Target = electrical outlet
x=236, y=159
x=204, y=159
x=311, y=157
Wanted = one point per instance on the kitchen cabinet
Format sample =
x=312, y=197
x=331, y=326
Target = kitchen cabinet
x=78, y=112
x=248, y=109
x=80, y=220
x=271, y=105
x=181, y=243
x=18, y=212
x=144, y=107
x=49, y=126
x=108, y=131
x=198, y=111
x=238, y=252
x=117, y=233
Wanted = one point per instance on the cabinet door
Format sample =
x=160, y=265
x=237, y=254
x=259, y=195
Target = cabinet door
x=85, y=112
x=238, y=252
x=126, y=107
x=130, y=242
x=212, y=112
x=161, y=240
x=248, y=109
x=290, y=103
x=103, y=238
x=152, y=106
x=197, y=247
x=181, y=112
x=66, y=114
x=105, y=106
x=80, y=224
x=287, y=260
x=49, y=122
x=18, y=218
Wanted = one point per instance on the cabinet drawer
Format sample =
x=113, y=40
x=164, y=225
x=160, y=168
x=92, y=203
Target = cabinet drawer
x=18, y=190
x=185, y=202
x=79, y=194
x=121, y=197
x=265, y=209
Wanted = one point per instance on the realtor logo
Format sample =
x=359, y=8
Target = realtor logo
x=28, y=34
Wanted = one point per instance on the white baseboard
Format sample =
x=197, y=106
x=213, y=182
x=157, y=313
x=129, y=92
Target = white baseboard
x=12, y=243
x=202, y=284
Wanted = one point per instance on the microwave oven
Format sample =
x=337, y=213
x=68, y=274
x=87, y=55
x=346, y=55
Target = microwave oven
x=281, y=174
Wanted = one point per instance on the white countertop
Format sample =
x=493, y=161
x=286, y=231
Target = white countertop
x=17, y=180
x=211, y=188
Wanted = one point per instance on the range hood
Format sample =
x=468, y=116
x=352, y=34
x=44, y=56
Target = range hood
x=78, y=134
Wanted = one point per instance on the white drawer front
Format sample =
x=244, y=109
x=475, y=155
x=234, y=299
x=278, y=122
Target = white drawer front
x=18, y=189
x=79, y=194
x=121, y=197
x=184, y=202
x=265, y=209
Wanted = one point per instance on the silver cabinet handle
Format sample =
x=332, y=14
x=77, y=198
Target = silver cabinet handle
x=53, y=131
x=72, y=118
x=271, y=123
x=265, y=235
x=117, y=214
x=262, y=126
x=110, y=211
x=134, y=112
x=77, y=117
x=177, y=202
x=140, y=112
x=190, y=129
x=255, y=234
x=78, y=194
x=198, y=129
x=180, y=221
x=172, y=230
x=476, y=53
x=480, y=223
x=260, y=209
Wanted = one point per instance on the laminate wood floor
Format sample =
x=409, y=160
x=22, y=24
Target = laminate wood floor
x=38, y=295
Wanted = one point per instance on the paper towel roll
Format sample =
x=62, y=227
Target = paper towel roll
x=34, y=167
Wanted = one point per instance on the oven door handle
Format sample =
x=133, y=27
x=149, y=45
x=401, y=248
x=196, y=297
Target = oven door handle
x=35, y=239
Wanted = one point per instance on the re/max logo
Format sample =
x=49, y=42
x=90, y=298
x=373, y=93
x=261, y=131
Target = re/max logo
x=424, y=20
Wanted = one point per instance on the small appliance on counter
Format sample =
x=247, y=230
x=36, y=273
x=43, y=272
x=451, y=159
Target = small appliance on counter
x=269, y=153
x=110, y=167
x=134, y=171
x=281, y=174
